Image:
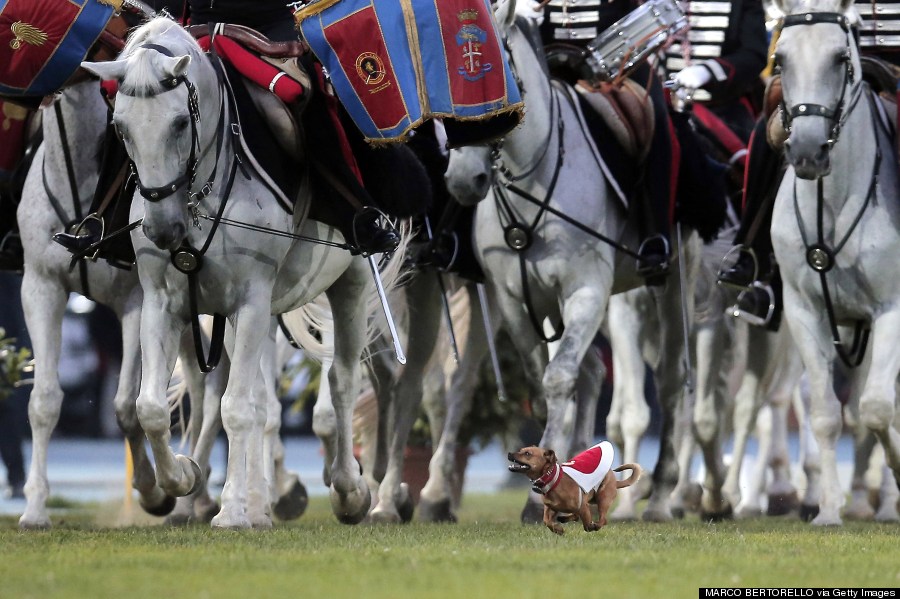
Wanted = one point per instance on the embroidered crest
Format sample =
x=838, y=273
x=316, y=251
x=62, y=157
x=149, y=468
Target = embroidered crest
x=470, y=38
x=29, y=34
x=370, y=69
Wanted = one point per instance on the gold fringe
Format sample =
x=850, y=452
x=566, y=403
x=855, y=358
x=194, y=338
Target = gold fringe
x=313, y=9
x=518, y=108
x=116, y=4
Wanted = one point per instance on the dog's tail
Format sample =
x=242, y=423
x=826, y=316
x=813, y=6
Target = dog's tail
x=636, y=472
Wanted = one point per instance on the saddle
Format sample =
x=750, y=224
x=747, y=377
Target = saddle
x=623, y=105
x=271, y=74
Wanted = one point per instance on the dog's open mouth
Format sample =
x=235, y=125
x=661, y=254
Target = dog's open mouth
x=516, y=465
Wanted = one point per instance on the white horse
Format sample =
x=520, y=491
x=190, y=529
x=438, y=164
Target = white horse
x=569, y=274
x=74, y=126
x=838, y=202
x=175, y=118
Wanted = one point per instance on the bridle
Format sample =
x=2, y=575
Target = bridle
x=157, y=194
x=839, y=113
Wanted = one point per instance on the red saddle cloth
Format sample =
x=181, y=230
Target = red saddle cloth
x=254, y=68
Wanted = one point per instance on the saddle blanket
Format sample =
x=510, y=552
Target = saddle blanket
x=589, y=467
x=42, y=42
x=397, y=63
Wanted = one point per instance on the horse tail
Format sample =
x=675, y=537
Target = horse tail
x=636, y=472
x=311, y=326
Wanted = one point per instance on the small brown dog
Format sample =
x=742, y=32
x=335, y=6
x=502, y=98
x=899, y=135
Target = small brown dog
x=571, y=487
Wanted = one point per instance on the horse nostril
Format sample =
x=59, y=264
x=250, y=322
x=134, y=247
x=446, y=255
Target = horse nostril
x=481, y=180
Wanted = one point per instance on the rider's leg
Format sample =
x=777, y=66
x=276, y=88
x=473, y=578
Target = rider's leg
x=660, y=174
x=764, y=169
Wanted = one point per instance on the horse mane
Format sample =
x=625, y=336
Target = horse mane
x=142, y=74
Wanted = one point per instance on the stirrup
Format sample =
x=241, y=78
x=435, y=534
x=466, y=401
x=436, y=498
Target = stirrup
x=380, y=220
x=93, y=216
x=740, y=250
x=654, y=270
x=750, y=317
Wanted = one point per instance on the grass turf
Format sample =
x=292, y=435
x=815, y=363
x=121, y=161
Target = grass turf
x=488, y=554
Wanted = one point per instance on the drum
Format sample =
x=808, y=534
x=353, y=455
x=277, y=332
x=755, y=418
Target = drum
x=43, y=42
x=630, y=41
x=396, y=63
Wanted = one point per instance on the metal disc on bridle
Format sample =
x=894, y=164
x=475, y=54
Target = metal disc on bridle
x=517, y=237
x=820, y=258
x=187, y=260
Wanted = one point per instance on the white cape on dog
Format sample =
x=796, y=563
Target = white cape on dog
x=589, y=467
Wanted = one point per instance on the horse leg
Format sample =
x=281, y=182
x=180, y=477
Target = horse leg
x=782, y=494
x=205, y=392
x=751, y=500
x=709, y=407
x=44, y=302
x=153, y=499
x=629, y=401
x=261, y=481
x=435, y=502
x=587, y=393
x=814, y=343
x=242, y=419
x=863, y=444
x=670, y=377
x=877, y=408
x=888, y=495
x=350, y=496
x=160, y=332
x=425, y=319
x=747, y=402
x=809, y=458
x=324, y=424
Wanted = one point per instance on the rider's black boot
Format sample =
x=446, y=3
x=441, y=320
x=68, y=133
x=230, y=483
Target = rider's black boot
x=89, y=233
x=370, y=237
x=741, y=274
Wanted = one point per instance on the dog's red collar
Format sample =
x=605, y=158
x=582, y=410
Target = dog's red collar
x=548, y=481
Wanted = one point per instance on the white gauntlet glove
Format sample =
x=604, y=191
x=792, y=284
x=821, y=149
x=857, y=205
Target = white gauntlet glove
x=693, y=77
x=531, y=9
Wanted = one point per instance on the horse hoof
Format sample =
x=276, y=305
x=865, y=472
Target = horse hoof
x=292, y=504
x=436, y=511
x=748, y=512
x=859, y=512
x=808, y=512
x=718, y=515
x=405, y=507
x=780, y=505
x=348, y=512
x=198, y=474
x=261, y=523
x=34, y=524
x=678, y=513
x=532, y=513
x=163, y=508
x=692, y=497
x=223, y=523
x=821, y=520
x=656, y=515
x=177, y=520
x=378, y=516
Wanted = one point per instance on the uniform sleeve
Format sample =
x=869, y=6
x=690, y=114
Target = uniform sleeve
x=738, y=69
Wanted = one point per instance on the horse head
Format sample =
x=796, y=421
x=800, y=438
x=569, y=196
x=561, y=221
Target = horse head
x=821, y=75
x=472, y=170
x=167, y=90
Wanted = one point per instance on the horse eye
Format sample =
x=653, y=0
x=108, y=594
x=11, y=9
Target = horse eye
x=180, y=124
x=843, y=57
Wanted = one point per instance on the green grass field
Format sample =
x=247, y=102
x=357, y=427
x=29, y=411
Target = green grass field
x=487, y=555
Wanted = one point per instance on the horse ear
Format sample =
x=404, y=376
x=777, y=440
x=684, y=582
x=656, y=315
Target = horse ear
x=175, y=67
x=505, y=14
x=108, y=70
